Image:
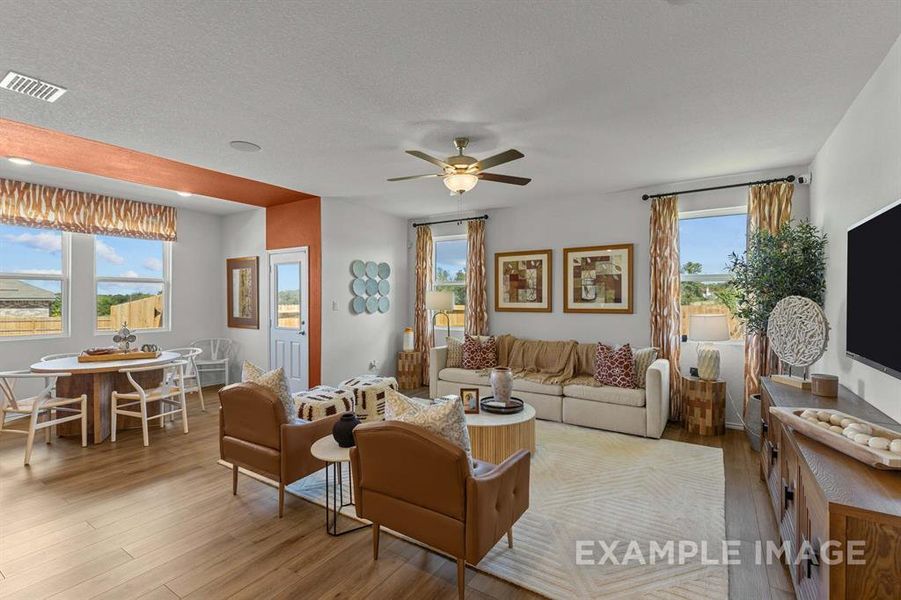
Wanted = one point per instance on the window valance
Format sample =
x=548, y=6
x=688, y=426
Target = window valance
x=35, y=205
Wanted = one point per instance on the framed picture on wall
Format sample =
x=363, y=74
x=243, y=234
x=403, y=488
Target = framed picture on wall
x=598, y=279
x=522, y=281
x=243, y=292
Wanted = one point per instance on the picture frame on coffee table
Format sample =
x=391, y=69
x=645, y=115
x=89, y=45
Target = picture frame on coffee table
x=598, y=279
x=523, y=280
x=470, y=399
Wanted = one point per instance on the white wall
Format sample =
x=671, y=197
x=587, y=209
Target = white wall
x=244, y=234
x=349, y=342
x=855, y=173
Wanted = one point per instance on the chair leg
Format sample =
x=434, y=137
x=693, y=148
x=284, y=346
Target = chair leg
x=281, y=500
x=226, y=373
x=376, y=529
x=184, y=409
x=2, y=418
x=114, y=401
x=461, y=578
x=144, y=421
x=84, y=421
x=234, y=479
x=200, y=393
x=48, y=430
x=32, y=427
x=510, y=538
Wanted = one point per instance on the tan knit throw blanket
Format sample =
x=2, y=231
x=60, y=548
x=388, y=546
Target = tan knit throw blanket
x=537, y=360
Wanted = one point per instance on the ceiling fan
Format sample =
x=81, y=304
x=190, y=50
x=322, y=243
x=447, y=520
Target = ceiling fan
x=461, y=173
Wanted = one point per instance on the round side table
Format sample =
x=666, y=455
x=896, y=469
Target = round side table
x=495, y=437
x=327, y=449
x=705, y=405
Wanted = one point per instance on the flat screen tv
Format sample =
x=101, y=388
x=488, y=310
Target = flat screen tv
x=873, y=330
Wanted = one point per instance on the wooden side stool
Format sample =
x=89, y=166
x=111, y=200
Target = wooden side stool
x=409, y=370
x=705, y=405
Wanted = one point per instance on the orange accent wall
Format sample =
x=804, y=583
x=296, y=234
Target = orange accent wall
x=300, y=224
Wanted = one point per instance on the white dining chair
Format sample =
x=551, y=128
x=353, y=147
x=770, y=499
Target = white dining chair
x=63, y=355
x=43, y=404
x=215, y=356
x=192, y=375
x=170, y=393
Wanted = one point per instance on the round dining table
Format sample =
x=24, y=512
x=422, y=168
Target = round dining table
x=98, y=380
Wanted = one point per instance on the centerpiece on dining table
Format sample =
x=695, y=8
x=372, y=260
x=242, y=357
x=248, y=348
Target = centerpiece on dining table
x=123, y=339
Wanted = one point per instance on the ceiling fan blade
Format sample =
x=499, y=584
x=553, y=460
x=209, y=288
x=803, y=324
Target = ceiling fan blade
x=416, y=177
x=504, y=178
x=431, y=159
x=497, y=159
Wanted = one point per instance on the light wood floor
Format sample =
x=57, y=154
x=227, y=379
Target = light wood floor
x=124, y=521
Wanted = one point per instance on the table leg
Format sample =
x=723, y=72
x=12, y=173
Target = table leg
x=333, y=508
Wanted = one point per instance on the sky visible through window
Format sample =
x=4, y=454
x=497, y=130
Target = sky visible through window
x=450, y=257
x=710, y=240
x=28, y=250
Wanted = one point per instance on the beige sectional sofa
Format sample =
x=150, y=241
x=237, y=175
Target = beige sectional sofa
x=579, y=401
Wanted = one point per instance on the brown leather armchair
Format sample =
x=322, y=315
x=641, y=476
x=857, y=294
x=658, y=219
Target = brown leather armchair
x=420, y=485
x=254, y=434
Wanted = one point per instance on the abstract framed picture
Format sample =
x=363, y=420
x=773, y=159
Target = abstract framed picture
x=522, y=281
x=242, y=281
x=598, y=279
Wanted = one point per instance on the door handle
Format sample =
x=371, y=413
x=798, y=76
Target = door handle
x=301, y=332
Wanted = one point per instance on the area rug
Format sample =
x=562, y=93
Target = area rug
x=590, y=486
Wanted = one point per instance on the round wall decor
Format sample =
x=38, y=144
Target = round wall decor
x=798, y=331
x=384, y=287
x=372, y=304
x=384, y=270
x=372, y=269
x=358, y=286
x=358, y=305
x=372, y=287
x=384, y=304
x=357, y=268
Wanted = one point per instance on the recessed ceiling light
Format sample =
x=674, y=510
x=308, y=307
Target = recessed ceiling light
x=17, y=160
x=184, y=194
x=243, y=146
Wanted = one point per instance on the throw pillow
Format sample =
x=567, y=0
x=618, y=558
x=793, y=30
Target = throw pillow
x=272, y=380
x=445, y=419
x=642, y=360
x=614, y=366
x=479, y=354
x=454, y=353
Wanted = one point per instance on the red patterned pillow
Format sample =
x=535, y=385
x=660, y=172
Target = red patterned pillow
x=614, y=366
x=479, y=354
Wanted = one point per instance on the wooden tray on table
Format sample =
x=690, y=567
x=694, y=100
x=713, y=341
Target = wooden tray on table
x=136, y=355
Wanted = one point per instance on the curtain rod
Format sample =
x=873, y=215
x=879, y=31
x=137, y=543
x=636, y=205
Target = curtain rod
x=788, y=179
x=461, y=220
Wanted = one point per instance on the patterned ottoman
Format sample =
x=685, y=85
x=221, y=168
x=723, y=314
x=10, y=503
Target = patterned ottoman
x=369, y=393
x=322, y=401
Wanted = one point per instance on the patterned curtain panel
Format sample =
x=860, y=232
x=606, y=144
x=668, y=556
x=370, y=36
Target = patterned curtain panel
x=665, y=292
x=36, y=205
x=476, y=322
x=422, y=329
x=769, y=207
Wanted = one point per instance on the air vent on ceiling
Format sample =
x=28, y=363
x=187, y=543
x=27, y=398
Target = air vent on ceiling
x=32, y=87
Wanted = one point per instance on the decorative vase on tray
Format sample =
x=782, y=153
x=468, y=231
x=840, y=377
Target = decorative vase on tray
x=501, y=379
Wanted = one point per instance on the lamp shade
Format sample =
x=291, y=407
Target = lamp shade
x=460, y=182
x=708, y=328
x=439, y=301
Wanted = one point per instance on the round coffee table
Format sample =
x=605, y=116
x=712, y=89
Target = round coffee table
x=495, y=437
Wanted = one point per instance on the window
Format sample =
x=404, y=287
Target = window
x=131, y=283
x=450, y=273
x=34, y=276
x=706, y=239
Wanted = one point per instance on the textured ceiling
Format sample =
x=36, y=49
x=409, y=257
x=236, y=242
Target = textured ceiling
x=599, y=96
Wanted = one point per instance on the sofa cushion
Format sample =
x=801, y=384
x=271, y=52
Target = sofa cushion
x=454, y=353
x=463, y=376
x=614, y=366
x=478, y=354
x=642, y=360
x=521, y=384
x=608, y=394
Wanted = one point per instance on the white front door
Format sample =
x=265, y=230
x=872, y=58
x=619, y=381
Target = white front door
x=288, y=316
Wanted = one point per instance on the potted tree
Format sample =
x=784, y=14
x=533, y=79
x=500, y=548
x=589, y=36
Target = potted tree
x=790, y=262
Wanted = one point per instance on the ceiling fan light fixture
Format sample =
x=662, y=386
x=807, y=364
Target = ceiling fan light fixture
x=460, y=182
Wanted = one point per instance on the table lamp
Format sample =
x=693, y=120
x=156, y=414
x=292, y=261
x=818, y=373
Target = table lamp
x=440, y=303
x=708, y=328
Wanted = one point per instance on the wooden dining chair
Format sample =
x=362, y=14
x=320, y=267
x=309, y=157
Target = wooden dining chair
x=215, y=356
x=170, y=393
x=43, y=404
x=192, y=375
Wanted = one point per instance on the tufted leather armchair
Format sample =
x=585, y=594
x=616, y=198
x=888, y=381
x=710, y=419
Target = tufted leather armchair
x=254, y=435
x=421, y=485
